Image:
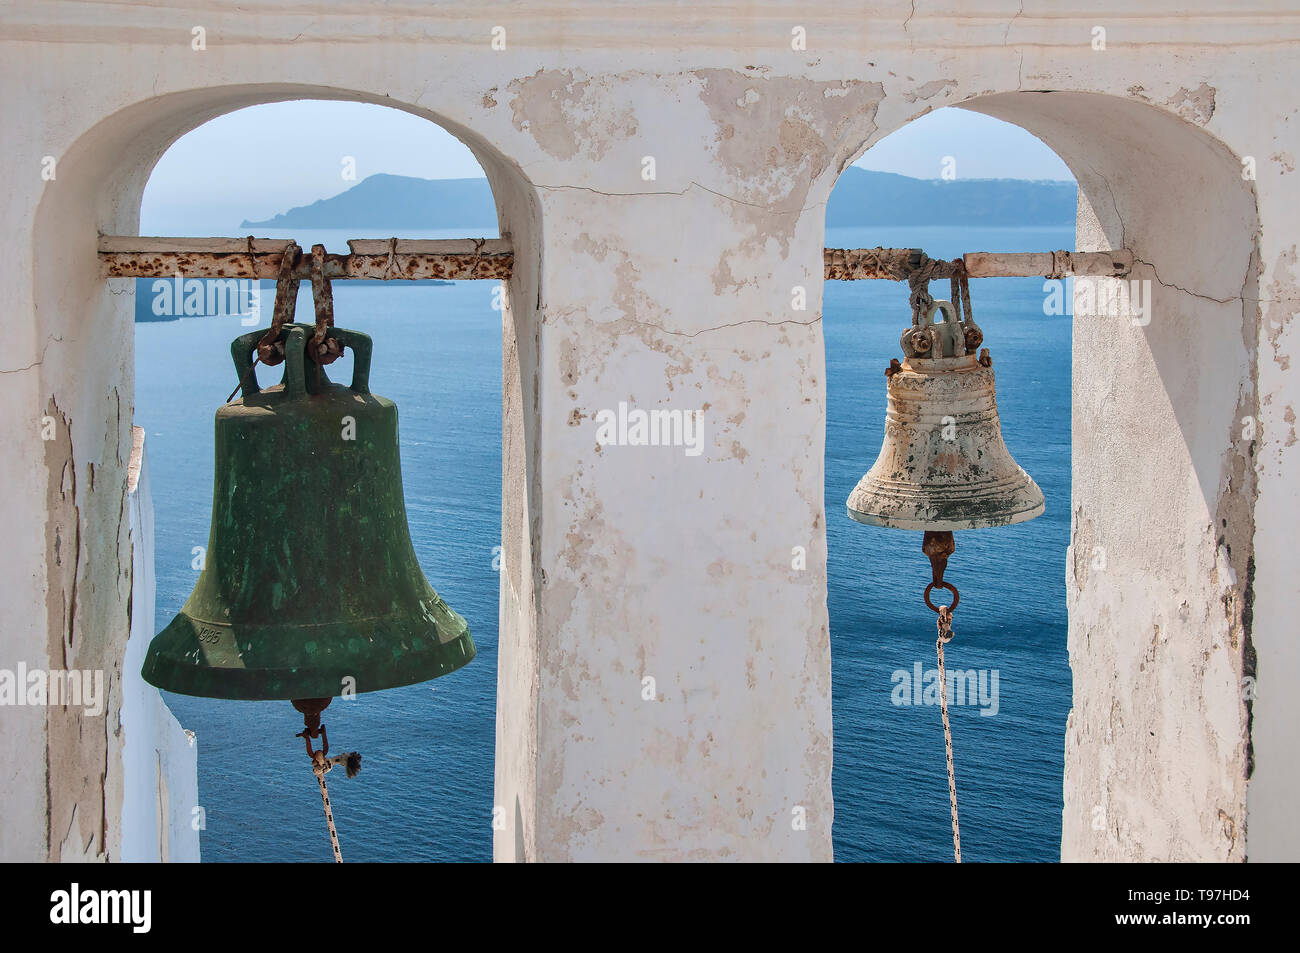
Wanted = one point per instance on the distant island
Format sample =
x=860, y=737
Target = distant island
x=401, y=203
x=398, y=202
x=861, y=197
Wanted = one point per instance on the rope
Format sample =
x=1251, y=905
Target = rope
x=945, y=635
x=390, y=266
x=919, y=280
x=319, y=770
x=321, y=762
x=855, y=263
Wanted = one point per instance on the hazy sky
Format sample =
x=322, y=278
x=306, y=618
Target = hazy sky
x=263, y=160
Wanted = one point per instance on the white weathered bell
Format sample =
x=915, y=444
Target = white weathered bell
x=943, y=464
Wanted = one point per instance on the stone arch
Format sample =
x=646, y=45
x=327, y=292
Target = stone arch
x=101, y=178
x=1158, y=742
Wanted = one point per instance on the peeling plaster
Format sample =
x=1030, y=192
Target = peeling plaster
x=1194, y=105
x=568, y=116
x=1283, y=304
x=72, y=833
x=592, y=595
x=933, y=88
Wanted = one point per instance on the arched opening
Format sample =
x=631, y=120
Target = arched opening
x=437, y=355
x=106, y=172
x=962, y=194
x=1158, y=523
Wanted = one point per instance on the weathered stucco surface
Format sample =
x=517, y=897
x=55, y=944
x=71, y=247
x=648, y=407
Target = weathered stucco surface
x=159, y=763
x=674, y=292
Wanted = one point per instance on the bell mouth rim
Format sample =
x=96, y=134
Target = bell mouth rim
x=170, y=665
x=947, y=525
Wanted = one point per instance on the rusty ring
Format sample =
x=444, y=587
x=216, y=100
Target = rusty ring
x=942, y=585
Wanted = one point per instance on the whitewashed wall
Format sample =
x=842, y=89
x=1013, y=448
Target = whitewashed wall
x=160, y=780
x=676, y=292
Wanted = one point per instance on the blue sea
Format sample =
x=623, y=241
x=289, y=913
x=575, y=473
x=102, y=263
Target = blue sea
x=425, y=792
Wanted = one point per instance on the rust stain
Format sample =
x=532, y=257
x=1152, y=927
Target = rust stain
x=855, y=264
x=401, y=266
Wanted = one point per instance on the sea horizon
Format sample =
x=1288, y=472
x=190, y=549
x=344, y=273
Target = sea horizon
x=426, y=788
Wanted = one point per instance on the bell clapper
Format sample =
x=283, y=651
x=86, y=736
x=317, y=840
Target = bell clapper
x=321, y=762
x=938, y=545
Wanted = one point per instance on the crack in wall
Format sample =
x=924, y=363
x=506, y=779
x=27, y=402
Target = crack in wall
x=18, y=370
x=1010, y=23
x=1187, y=291
x=693, y=185
x=1123, y=231
x=720, y=327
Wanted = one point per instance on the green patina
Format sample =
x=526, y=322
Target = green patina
x=310, y=577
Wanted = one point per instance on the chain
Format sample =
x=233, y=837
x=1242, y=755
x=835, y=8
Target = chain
x=323, y=349
x=945, y=635
x=270, y=350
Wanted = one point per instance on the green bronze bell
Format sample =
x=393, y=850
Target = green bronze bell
x=310, y=586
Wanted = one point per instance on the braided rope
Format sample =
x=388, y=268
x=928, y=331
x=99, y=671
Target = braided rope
x=919, y=280
x=945, y=635
x=319, y=770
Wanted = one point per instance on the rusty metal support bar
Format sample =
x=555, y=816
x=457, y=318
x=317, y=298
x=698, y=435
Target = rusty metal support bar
x=896, y=264
x=855, y=264
x=397, y=259
x=405, y=259
x=1049, y=264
